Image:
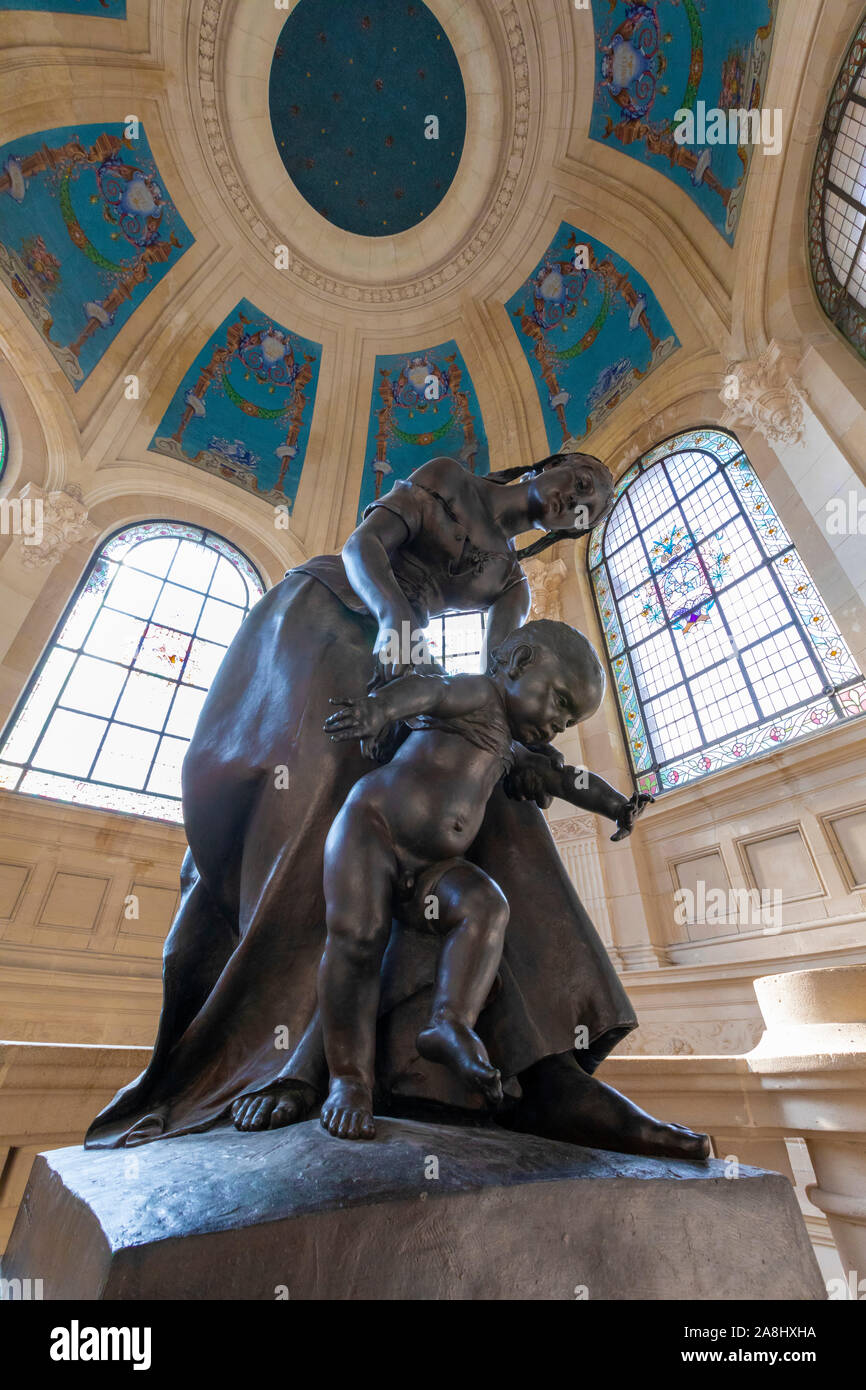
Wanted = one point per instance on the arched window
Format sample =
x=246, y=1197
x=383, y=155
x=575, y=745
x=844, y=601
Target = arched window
x=720, y=645
x=107, y=717
x=837, y=207
x=455, y=641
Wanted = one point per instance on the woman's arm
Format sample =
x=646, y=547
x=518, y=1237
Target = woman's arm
x=367, y=559
x=508, y=613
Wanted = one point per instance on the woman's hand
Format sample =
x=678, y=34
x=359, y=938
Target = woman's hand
x=527, y=780
x=394, y=644
x=355, y=719
x=547, y=750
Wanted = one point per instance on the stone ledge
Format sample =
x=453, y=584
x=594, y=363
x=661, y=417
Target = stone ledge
x=232, y=1216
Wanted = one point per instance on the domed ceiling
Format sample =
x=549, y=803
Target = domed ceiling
x=368, y=111
x=339, y=238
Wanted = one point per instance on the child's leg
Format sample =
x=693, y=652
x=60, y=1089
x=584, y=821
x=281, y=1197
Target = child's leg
x=360, y=871
x=474, y=913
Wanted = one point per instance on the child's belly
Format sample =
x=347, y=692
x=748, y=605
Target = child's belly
x=432, y=813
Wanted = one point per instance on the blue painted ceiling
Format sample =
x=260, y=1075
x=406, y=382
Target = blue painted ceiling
x=352, y=87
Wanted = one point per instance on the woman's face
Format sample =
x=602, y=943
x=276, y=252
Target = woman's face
x=569, y=494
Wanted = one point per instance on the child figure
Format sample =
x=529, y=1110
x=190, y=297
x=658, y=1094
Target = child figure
x=400, y=837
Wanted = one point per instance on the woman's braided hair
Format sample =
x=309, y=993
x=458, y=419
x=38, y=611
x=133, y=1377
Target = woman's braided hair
x=510, y=475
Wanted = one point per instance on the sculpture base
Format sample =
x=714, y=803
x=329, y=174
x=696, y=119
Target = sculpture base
x=422, y=1212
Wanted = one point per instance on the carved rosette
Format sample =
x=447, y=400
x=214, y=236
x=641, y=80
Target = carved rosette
x=764, y=394
x=52, y=522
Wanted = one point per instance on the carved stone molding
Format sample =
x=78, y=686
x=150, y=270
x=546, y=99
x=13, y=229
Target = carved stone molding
x=545, y=583
x=658, y=425
x=764, y=393
x=573, y=828
x=644, y=957
x=271, y=236
x=52, y=523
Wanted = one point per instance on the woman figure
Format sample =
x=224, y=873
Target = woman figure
x=239, y=1028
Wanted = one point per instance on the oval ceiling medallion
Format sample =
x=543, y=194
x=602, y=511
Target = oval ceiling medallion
x=368, y=111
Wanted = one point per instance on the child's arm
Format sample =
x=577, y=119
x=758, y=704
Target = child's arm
x=590, y=792
x=400, y=699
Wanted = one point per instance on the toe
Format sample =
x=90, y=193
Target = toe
x=262, y=1113
x=345, y=1124
x=284, y=1113
x=368, y=1129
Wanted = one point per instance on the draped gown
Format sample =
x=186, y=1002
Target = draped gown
x=262, y=784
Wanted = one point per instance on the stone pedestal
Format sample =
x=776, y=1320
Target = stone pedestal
x=423, y=1212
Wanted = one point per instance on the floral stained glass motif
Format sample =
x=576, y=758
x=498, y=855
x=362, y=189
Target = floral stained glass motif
x=720, y=645
x=109, y=714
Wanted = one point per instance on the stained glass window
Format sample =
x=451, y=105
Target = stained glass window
x=720, y=646
x=107, y=717
x=455, y=641
x=837, y=207
x=4, y=444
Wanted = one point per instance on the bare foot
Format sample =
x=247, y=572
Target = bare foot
x=560, y=1101
x=457, y=1047
x=348, y=1111
x=281, y=1103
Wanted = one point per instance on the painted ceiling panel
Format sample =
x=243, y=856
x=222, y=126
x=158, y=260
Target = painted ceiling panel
x=591, y=329
x=243, y=409
x=424, y=405
x=111, y=9
x=368, y=111
x=87, y=228
x=655, y=59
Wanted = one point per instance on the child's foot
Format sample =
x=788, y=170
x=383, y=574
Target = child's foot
x=348, y=1111
x=281, y=1103
x=456, y=1046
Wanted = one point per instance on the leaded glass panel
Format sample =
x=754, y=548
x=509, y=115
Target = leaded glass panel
x=837, y=204
x=109, y=714
x=721, y=647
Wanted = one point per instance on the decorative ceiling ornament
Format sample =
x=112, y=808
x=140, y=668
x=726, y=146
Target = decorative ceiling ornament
x=707, y=58
x=87, y=229
x=244, y=407
x=421, y=401
x=417, y=286
x=765, y=394
x=592, y=331
x=56, y=522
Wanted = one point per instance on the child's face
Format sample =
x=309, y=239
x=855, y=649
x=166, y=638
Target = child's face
x=543, y=696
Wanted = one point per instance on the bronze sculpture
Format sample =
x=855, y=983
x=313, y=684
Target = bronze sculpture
x=262, y=788
x=397, y=847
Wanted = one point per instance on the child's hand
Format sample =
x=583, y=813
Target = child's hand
x=629, y=814
x=355, y=719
